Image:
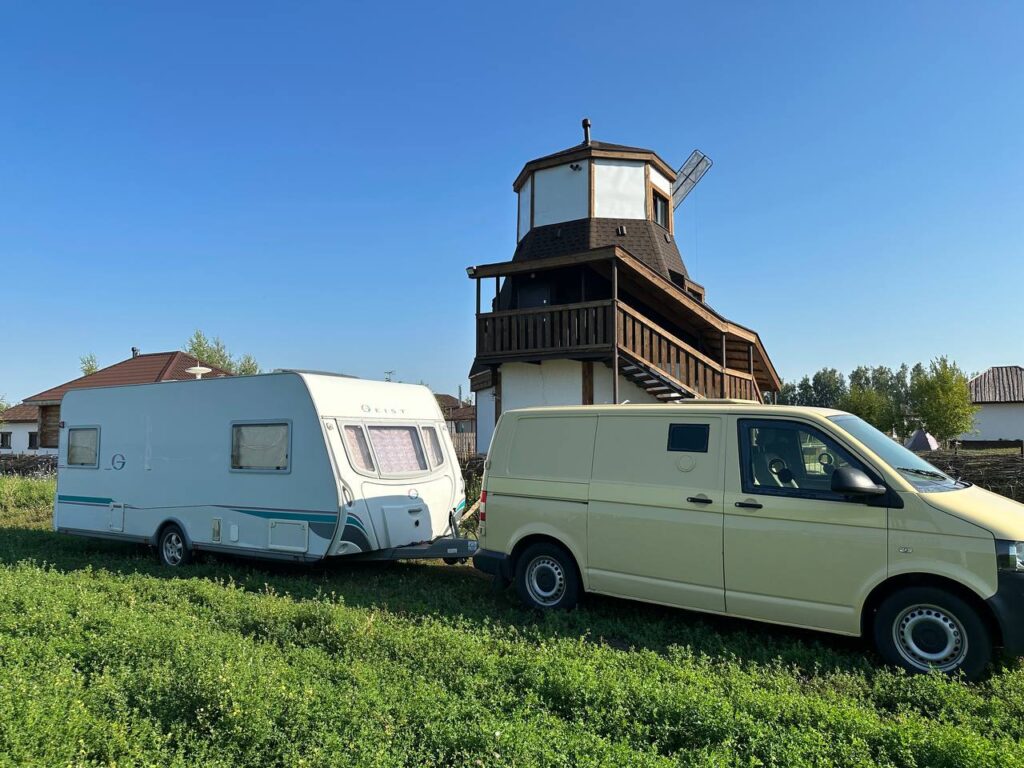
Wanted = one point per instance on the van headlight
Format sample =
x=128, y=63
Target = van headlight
x=1010, y=555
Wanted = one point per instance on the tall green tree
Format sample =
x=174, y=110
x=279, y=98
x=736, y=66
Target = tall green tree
x=214, y=352
x=829, y=388
x=88, y=364
x=941, y=399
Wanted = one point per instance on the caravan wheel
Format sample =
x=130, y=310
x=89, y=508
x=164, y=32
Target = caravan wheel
x=172, y=547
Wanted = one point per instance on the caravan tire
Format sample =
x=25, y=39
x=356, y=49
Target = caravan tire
x=172, y=547
x=546, y=577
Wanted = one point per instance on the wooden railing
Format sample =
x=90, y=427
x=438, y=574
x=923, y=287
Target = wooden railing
x=582, y=327
x=590, y=327
x=673, y=358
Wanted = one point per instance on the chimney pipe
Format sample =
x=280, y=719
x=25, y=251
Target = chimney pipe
x=586, y=131
x=135, y=351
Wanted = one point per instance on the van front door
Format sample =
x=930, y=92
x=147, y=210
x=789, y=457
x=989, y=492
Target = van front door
x=795, y=552
x=654, y=526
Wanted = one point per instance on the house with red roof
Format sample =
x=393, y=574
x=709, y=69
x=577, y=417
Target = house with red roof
x=138, y=369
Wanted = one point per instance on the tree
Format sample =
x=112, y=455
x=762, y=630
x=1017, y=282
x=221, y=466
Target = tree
x=88, y=364
x=868, y=403
x=829, y=387
x=941, y=399
x=214, y=352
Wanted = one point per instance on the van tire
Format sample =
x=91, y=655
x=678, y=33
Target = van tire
x=172, y=547
x=546, y=577
x=927, y=628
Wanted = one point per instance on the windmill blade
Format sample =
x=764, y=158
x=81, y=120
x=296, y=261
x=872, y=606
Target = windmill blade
x=693, y=170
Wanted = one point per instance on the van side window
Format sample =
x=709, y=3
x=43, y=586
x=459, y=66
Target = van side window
x=358, y=449
x=83, y=447
x=688, y=438
x=433, y=446
x=398, y=450
x=260, y=447
x=787, y=458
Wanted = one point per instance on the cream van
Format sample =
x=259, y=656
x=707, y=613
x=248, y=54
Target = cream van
x=798, y=516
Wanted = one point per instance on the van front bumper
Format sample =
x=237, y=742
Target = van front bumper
x=494, y=563
x=1008, y=606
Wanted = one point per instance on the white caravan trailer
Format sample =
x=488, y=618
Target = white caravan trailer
x=290, y=465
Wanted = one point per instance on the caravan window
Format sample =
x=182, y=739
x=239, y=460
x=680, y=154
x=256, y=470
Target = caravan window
x=260, y=447
x=398, y=450
x=83, y=447
x=358, y=449
x=433, y=446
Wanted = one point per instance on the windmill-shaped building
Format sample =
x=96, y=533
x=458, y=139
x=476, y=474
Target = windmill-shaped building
x=596, y=305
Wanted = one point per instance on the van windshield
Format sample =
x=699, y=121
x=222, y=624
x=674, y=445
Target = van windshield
x=915, y=470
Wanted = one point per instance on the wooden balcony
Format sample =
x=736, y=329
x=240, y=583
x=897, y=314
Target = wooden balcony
x=589, y=330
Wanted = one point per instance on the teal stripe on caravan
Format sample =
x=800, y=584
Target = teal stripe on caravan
x=356, y=522
x=310, y=517
x=462, y=506
x=85, y=499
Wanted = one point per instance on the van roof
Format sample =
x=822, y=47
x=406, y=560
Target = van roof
x=708, y=406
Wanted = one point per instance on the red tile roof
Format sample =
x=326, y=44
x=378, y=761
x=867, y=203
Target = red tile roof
x=19, y=413
x=143, y=369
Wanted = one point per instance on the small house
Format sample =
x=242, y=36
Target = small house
x=137, y=369
x=999, y=395
x=19, y=431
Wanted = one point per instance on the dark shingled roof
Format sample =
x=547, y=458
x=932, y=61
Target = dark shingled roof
x=142, y=369
x=644, y=239
x=999, y=384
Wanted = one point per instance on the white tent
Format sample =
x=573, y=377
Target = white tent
x=921, y=441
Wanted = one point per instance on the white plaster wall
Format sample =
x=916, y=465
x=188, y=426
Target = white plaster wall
x=19, y=439
x=660, y=182
x=620, y=191
x=553, y=382
x=998, y=421
x=524, y=207
x=627, y=389
x=484, y=419
x=561, y=194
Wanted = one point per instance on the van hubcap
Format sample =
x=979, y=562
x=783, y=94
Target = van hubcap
x=545, y=580
x=174, y=548
x=929, y=637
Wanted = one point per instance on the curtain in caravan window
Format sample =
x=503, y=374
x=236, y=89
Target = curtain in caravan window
x=433, y=447
x=358, y=450
x=398, y=450
x=83, y=445
x=259, y=446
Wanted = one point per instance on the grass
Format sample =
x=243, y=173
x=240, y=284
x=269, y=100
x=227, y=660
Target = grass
x=105, y=658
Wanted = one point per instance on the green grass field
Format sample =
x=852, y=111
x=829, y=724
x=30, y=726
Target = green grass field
x=105, y=658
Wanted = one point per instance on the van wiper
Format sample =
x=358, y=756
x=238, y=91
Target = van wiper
x=923, y=472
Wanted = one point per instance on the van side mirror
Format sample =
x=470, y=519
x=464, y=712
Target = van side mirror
x=849, y=481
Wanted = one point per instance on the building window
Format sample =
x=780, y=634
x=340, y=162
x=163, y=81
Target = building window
x=260, y=447
x=659, y=208
x=5, y=440
x=398, y=450
x=83, y=447
x=33, y=441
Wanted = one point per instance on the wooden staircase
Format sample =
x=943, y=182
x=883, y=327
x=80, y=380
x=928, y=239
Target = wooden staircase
x=656, y=383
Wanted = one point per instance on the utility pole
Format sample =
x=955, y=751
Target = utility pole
x=388, y=375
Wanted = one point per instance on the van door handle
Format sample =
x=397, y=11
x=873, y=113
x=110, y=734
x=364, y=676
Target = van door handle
x=700, y=500
x=749, y=505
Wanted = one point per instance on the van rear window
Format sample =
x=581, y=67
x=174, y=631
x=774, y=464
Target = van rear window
x=398, y=450
x=688, y=438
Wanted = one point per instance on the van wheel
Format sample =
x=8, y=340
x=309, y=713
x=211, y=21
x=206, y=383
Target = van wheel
x=546, y=577
x=172, y=548
x=925, y=628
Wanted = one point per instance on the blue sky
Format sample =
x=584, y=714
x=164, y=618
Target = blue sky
x=309, y=180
